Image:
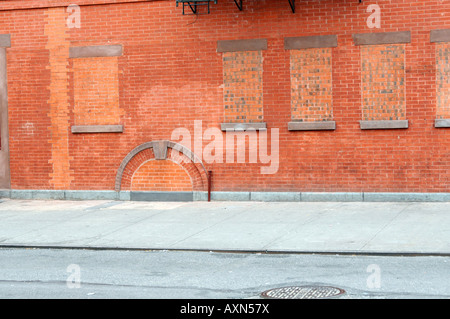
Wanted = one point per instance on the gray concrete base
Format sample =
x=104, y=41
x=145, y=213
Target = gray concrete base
x=64, y=194
x=275, y=196
x=162, y=196
x=200, y=196
x=406, y=197
x=226, y=196
x=325, y=197
x=332, y=197
x=230, y=196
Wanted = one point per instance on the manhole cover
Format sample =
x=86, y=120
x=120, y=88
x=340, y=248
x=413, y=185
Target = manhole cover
x=303, y=292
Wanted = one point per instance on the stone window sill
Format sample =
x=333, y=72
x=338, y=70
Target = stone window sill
x=384, y=125
x=236, y=127
x=442, y=123
x=312, y=126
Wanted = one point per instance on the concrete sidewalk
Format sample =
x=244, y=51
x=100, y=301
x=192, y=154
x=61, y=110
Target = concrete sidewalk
x=302, y=227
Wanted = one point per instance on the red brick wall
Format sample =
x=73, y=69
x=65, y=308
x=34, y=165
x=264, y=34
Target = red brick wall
x=28, y=74
x=58, y=103
x=171, y=74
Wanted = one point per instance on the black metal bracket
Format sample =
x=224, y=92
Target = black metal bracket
x=193, y=5
x=239, y=5
x=292, y=4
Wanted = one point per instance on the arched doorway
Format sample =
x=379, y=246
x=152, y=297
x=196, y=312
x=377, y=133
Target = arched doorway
x=161, y=171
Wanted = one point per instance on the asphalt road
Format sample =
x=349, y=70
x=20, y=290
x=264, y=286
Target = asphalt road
x=114, y=274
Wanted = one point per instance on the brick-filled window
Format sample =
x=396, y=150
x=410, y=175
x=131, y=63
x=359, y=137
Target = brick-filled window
x=311, y=85
x=383, y=79
x=383, y=82
x=242, y=77
x=96, y=89
x=243, y=83
x=443, y=80
x=441, y=38
x=311, y=75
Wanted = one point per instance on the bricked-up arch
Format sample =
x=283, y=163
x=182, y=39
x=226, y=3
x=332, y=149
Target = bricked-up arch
x=161, y=176
x=162, y=150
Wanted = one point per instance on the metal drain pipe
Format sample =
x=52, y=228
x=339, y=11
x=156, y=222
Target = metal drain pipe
x=209, y=185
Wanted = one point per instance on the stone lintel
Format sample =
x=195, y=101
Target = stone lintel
x=307, y=42
x=382, y=38
x=241, y=45
x=77, y=129
x=95, y=51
